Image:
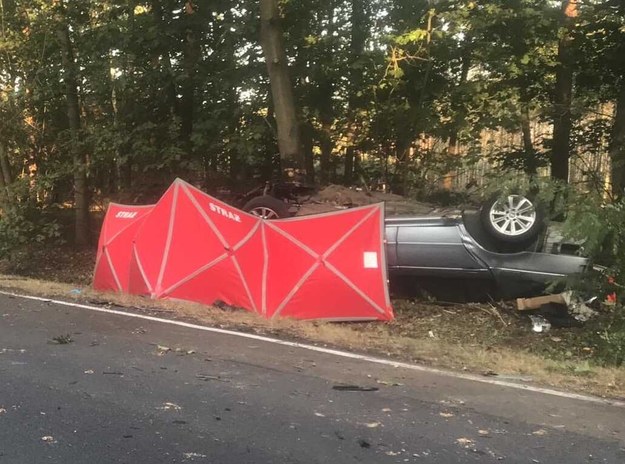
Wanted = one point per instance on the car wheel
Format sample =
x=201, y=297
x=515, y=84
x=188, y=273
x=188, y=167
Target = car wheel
x=512, y=219
x=267, y=207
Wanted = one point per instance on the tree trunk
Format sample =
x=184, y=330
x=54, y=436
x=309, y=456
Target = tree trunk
x=325, y=145
x=81, y=201
x=617, y=145
x=356, y=47
x=563, y=94
x=307, y=132
x=162, y=54
x=192, y=54
x=5, y=167
x=5, y=195
x=528, y=145
x=459, y=110
x=289, y=143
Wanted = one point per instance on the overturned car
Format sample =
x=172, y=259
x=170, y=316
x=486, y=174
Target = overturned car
x=503, y=250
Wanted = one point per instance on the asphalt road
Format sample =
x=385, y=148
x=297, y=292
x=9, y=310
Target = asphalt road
x=112, y=395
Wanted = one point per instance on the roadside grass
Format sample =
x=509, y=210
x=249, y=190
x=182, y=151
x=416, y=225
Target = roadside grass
x=477, y=338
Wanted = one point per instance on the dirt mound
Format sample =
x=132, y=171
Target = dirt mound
x=335, y=197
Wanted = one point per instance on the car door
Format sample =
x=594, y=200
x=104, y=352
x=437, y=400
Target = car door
x=434, y=246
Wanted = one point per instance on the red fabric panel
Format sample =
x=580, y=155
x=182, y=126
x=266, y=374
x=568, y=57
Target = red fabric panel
x=324, y=296
x=349, y=260
x=218, y=283
x=347, y=277
x=120, y=225
x=206, y=237
x=103, y=278
x=287, y=264
x=151, y=239
x=137, y=284
x=193, y=247
x=193, y=244
x=251, y=262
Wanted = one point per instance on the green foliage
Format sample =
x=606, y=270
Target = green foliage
x=610, y=339
x=25, y=228
x=396, y=81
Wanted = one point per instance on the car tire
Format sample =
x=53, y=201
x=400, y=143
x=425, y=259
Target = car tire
x=267, y=207
x=514, y=218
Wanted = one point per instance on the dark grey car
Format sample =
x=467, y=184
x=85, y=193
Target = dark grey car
x=456, y=258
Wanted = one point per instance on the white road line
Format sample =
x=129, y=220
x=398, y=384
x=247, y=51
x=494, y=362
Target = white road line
x=340, y=353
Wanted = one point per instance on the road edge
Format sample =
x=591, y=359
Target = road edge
x=331, y=351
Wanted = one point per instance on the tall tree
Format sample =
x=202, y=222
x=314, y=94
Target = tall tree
x=81, y=198
x=617, y=144
x=289, y=140
x=563, y=93
x=356, y=47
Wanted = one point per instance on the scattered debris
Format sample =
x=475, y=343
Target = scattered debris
x=354, y=388
x=89, y=371
x=193, y=456
x=578, y=308
x=318, y=414
x=11, y=350
x=392, y=384
x=75, y=291
x=539, y=432
x=48, y=439
x=206, y=378
x=372, y=425
x=364, y=443
x=112, y=373
x=446, y=414
x=170, y=407
x=562, y=310
x=184, y=351
x=528, y=304
x=162, y=349
x=3, y=411
x=62, y=339
x=519, y=378
x=466, y=442
x=483, y=432
x=540, y=324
